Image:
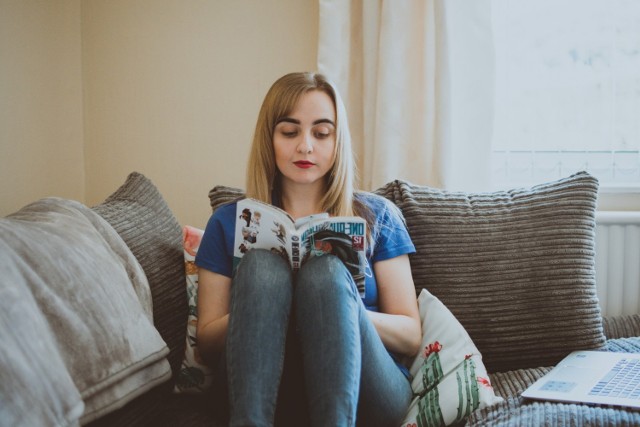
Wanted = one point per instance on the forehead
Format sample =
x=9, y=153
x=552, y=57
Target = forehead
x=314, y=104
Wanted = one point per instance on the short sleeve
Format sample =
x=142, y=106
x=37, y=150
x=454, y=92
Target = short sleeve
x=390, y=233
x=216, y=248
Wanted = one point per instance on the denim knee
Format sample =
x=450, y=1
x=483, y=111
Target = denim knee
x=263, y=270
x=325, y=274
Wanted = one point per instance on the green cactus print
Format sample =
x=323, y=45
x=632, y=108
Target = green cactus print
x=468, y=393
x=431, y=368
x=429, y=412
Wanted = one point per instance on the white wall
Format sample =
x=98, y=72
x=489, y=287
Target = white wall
x=41, y=136
x=169, y=88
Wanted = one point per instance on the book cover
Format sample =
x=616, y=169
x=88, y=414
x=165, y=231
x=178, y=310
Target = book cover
x=264, y=226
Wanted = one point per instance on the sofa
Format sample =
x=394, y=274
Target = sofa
x=95, y=306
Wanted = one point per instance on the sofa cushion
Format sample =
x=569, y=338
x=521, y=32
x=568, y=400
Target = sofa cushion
x=221, y=194
x=31, y=367
x=515, y=267
x=449, y=378
x=141, y=216
x=95, y=298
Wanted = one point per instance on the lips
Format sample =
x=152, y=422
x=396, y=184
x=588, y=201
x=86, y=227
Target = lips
x=304, y=164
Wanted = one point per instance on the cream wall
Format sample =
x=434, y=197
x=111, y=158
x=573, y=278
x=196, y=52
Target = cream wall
x=41, y=135
x=172, y=89
x=169, y=88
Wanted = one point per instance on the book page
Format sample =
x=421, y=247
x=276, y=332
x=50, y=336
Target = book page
x=262, y=226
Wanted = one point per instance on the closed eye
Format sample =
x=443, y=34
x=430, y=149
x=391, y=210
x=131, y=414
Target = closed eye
x=322, y=132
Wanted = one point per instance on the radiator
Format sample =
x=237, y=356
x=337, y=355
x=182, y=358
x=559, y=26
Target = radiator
x=618, y=262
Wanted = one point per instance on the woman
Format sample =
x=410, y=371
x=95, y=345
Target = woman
x=271, y=326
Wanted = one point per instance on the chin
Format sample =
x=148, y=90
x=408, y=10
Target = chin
x=303, y=180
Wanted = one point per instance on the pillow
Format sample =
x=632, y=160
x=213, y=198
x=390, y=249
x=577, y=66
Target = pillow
x=36, y=387
x=95, y=298
x=515, y=267
x=195, y=376
x=142, y=218
x=220, y=195
x=449, y=378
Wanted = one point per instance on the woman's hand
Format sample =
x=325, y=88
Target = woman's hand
x=214, y=294
x=398, y=322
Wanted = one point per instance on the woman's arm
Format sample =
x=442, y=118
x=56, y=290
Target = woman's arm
x=398, y=322
x=214, y=294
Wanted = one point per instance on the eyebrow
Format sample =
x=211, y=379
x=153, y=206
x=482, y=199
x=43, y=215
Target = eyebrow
x=297, y=122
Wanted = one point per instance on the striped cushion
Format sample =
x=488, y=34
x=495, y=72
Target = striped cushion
x=515, y=267
x=221, y=194
x=141, y=216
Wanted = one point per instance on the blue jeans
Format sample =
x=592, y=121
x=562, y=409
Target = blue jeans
x=345, y=370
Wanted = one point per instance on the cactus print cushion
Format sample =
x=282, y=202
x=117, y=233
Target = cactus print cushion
x=449, y=378
x=194, y=375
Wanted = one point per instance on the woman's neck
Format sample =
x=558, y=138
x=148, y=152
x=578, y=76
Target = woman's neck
x=301, y=201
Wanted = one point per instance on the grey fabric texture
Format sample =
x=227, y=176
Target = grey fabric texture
x=515, y=267
x=141, y=216
x=94, y=296
x=31, y=367
x=221, y=194
x=621, y=326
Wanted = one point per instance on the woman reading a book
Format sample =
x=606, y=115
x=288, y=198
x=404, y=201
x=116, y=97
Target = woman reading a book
x=285, y=340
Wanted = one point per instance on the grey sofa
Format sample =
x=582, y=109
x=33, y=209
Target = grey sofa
x=515, y=267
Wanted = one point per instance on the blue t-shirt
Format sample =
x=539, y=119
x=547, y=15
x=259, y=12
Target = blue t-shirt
x=389, y=234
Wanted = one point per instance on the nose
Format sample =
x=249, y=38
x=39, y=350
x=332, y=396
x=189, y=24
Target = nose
x=306, y=144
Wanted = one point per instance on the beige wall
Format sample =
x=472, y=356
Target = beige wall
x=170, y=88
x=173, y=87
x=41, y=140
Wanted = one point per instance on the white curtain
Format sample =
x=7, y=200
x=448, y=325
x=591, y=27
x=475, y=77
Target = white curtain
x=391, y=61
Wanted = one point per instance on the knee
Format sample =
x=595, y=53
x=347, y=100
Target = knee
x=262, y=269
x=325, y=274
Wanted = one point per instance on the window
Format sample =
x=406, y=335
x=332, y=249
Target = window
x=567, y=91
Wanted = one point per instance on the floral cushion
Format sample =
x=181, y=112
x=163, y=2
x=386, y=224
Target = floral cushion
x=194, y=375
x=449, y=378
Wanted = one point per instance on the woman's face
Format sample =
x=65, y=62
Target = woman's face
x=304, y=141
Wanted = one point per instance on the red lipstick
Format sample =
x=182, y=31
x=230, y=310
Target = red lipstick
x=304, y=164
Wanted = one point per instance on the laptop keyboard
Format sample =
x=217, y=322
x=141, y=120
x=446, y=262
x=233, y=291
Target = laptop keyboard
x=622, y=381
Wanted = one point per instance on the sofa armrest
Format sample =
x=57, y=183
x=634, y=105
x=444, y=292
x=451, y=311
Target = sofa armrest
x=623, y=326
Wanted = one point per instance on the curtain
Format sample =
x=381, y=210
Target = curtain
x=391, y=61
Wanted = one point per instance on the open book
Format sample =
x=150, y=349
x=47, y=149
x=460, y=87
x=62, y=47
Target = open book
x=263, y=226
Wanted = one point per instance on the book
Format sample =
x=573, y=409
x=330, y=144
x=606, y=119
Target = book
x=264, y=226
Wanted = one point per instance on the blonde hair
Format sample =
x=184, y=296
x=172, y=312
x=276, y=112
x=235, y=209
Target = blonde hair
x=263, y=176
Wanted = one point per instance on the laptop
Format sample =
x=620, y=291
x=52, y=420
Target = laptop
x=598, y=377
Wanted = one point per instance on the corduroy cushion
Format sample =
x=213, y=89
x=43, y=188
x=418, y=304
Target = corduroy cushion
x=515, y=267
x=220, y=195
x=141, y=216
